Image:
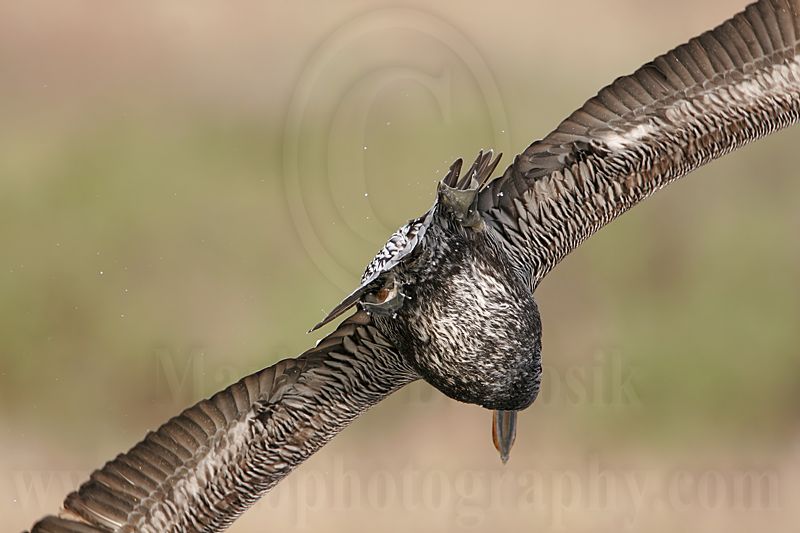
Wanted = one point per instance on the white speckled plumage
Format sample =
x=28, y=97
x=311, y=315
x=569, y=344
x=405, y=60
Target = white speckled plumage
x=401, y=243
x=449, y=298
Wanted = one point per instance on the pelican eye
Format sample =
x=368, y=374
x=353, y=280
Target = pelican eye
x=383, y=295
x=386, y=300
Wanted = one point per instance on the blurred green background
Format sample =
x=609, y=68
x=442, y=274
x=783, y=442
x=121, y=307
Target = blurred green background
x=187, y=186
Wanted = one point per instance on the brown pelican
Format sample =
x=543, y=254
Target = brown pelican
x=450, y=296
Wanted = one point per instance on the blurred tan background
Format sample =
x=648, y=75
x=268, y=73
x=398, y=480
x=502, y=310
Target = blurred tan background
x=187, y=186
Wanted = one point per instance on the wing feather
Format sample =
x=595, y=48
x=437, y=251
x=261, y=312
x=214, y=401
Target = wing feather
x=204, y=467
x=725, y=88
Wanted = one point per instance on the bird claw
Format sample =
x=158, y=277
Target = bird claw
x=460, y=194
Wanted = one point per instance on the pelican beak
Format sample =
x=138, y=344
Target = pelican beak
x=504, y=431
x=351, y=300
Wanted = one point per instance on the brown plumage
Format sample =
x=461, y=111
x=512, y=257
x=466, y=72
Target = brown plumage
x=727, y=87
x=204, y=467
x=449, y=298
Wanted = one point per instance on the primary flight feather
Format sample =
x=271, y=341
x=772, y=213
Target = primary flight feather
x=450, y=297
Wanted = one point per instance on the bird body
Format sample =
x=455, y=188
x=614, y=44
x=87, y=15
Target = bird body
x=469, y=323
x=450, y=297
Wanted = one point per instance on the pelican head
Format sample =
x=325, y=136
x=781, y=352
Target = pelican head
x=453, y=302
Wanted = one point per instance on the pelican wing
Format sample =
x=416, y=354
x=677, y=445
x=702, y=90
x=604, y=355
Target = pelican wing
x=731, y=85
x=203, y=468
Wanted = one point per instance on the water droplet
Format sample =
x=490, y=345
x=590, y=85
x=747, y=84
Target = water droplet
x=365, y=148
x=366, y=194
